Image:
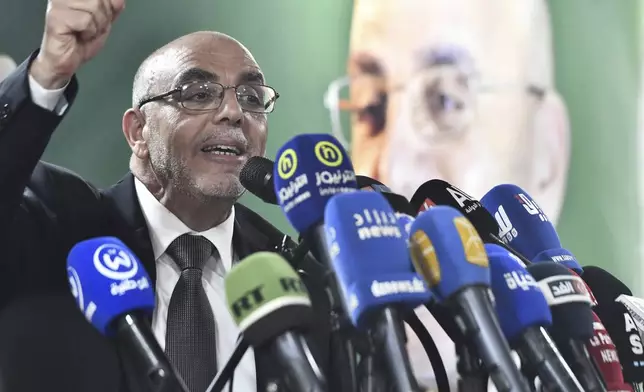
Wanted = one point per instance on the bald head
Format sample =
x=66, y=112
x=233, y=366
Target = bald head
x=161, y=69
x=7, y=65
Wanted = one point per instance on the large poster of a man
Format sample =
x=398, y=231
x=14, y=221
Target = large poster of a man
x=460, y=90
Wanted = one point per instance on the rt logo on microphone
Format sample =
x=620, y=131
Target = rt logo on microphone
x=328, y=154
x=114, y=262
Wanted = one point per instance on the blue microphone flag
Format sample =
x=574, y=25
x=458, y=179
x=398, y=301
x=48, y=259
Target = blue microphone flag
x=309, y=170
x=107, y=280
x=448, y=252
x=520, y=304
x=369, y=254
x=524, y=226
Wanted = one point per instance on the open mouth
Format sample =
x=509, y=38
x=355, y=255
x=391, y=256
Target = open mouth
x=221, y=149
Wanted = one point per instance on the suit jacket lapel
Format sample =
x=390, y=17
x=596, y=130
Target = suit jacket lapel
x=126, y=219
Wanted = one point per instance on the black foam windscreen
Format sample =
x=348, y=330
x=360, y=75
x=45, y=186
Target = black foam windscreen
x=398, y=202
x=439, y=192
x=572, y=315
x=617, y=320
x=257, y=177
x=604, y=285
x=625, y=335
x=364, y=182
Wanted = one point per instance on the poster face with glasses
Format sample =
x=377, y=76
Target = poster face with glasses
x=460, y=90
x=465, y=91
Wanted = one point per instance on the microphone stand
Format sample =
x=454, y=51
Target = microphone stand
x=473, y=376
x=341, y=328
x=369, y=370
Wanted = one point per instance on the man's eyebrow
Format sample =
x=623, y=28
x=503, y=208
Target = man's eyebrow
x=194, y=75
x=364, y=63
x=450, y=55
x=251, y=77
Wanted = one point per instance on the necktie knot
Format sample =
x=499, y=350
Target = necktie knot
x=190, y=251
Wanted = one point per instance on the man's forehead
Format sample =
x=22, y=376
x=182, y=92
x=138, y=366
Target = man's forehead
x=403, y=34
x=204, y=59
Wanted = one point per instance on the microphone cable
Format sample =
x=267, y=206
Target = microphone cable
x=435, y=359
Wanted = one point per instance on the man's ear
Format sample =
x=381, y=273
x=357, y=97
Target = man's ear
x=551, y=154
x=132, y=125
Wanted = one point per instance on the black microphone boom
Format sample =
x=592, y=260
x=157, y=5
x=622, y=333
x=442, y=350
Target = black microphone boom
x=226, y=373
x=134, y=334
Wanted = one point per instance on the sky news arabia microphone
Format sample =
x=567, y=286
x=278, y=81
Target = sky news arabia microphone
x=115, y=294
x=448, y=252
x=525, y=227
x=370, y=259
x=472, y=374
x=523, y=313
x=572, y=319
x=271, y=305
x=439, y=192
x=404, y=214
x=618, y=321
x=309, y=170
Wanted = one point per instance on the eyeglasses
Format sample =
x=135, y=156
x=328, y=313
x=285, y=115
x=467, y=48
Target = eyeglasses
x=424, y=93
x=206, y=96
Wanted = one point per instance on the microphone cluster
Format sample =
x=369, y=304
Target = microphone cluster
x=523, y=313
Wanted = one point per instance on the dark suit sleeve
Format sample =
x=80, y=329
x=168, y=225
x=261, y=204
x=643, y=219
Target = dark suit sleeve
x=25, y=130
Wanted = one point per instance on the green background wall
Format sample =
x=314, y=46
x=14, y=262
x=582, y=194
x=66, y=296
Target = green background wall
x=302, y=46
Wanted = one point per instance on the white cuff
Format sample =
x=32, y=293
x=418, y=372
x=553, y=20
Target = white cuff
x=52, y=100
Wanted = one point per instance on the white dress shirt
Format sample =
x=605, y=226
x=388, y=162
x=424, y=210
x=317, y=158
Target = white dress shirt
x=164, y=227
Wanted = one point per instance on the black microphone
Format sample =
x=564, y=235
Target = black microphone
x=398, y=202
x=271, y=306
x=439, y=192
x=572, y=319
x=618, y=321
x=257, y=177
x=114, y=293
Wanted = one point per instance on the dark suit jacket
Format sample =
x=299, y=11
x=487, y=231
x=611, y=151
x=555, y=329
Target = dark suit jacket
x=45, y=343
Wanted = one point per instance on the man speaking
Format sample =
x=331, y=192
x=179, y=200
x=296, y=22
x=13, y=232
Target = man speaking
x=199, y=111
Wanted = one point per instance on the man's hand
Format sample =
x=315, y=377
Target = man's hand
x=75, y=31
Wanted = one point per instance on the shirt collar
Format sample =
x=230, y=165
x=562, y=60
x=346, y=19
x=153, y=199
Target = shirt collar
x=164, y=227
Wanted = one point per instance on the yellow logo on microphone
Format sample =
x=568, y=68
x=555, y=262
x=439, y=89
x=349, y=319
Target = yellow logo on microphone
x=424, y=258
x=328, y=154
x=472, y=243
x=287, y=164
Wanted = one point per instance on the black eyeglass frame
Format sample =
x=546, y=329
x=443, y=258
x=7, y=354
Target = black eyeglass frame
x=180, y=89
